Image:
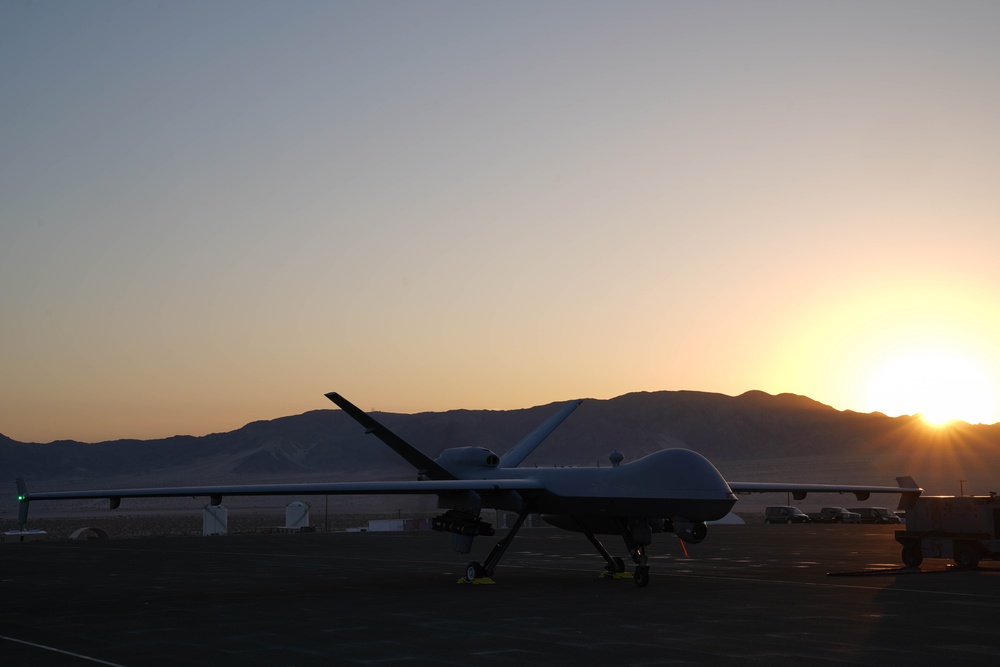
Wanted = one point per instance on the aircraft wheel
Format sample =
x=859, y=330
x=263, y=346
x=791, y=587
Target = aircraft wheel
x=642, y=576
x=912, y=555
x=473, y=571
x=619, y=564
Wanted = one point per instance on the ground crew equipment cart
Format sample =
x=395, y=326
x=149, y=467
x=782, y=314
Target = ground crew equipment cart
x=963, y=528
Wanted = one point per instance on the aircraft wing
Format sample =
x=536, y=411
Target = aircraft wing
x=329, y=488
x=216, y=493
x=907, y=487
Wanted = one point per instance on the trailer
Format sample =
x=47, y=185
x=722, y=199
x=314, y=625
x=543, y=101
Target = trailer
x=963, y=528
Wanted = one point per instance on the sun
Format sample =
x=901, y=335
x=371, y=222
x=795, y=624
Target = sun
x=941, y=386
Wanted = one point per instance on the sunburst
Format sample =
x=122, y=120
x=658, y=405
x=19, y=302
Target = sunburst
x=941, y=386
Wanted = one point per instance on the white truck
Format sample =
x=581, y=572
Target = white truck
x=963, y=528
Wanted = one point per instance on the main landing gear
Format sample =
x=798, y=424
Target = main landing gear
x=483, y=573
x=637, y=534
x=615, y=569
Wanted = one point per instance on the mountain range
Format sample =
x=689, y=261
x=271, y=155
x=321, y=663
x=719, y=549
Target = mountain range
x=751, y=437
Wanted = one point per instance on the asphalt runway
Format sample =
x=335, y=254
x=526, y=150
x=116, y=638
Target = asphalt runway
x=748, y=595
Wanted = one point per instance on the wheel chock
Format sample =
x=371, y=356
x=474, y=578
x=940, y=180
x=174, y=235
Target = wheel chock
x=478, y=581
x=615, y=575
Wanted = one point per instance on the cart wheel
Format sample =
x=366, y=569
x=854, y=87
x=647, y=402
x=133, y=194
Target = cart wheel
x=966, y=557
x=912, y=555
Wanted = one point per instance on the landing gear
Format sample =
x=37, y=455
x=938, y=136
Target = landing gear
x=637, y=535
x=641, y=569
x=615, y=565
x=474, y=571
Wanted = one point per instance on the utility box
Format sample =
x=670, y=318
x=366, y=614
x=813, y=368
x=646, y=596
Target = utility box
x=216, y=520
x=297, y=515
x=964, y=528
x=22, y=536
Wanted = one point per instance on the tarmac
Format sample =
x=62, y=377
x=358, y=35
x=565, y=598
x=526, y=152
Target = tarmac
x=747, y=595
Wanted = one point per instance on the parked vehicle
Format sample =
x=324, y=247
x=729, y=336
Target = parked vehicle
x=964, y=528
x=834, y=515
x=785, y=514
x=876, y=514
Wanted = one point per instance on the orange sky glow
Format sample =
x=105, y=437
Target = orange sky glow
x=213, y=214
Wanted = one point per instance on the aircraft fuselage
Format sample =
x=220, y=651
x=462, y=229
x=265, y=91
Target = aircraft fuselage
x=664, y=484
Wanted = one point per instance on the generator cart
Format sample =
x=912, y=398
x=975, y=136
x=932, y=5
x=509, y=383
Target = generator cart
x=964, y=528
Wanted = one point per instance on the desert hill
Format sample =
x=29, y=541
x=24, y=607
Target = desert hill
x=751, y=437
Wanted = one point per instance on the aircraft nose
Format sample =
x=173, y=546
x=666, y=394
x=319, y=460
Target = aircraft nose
x=692, y=473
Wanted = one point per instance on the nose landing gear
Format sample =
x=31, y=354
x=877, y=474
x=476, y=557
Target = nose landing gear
x=637, y=535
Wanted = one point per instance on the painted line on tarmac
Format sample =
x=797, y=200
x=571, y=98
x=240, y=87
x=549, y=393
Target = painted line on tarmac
x=58, y=650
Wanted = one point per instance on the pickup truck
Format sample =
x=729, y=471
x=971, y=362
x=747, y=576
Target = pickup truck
x=834, y=515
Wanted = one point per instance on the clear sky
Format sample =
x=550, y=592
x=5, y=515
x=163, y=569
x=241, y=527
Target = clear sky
x=214, y=212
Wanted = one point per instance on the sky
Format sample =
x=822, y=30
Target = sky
x=215, y=212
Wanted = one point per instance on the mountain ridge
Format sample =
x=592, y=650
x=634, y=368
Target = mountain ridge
x=752, y=435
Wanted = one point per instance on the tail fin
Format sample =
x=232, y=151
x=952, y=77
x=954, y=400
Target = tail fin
x=908, y=498
x=423, y=463
x=521, y=450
